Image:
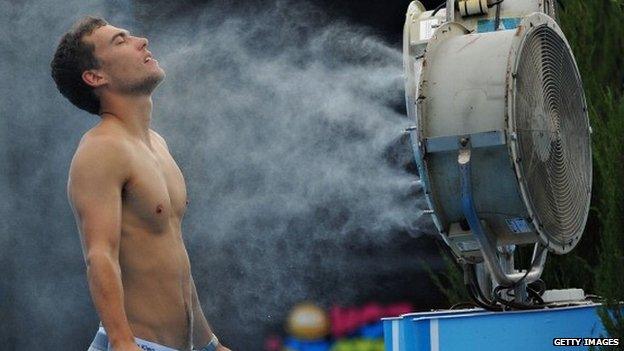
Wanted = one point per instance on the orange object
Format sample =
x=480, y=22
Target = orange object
x=307, y=321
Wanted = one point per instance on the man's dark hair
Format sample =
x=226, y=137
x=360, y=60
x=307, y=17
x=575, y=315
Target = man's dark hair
x=73, y=56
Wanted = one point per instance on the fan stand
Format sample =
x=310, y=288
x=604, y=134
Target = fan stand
x=498, y=261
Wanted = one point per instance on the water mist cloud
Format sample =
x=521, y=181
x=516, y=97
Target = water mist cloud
x=282, y=118
x=281, y=122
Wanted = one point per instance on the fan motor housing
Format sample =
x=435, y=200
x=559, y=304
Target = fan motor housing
x=514, y=96
x=475, y=15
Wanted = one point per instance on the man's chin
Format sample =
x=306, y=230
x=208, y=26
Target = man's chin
x=157, y=78
x=148, y=85
x=161, y=72
x=163, y=75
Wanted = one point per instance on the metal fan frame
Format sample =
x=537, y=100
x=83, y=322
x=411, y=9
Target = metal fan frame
x=531, y=23
x=503, y=137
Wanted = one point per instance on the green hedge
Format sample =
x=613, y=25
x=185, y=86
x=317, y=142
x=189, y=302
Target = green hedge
x=595, y=30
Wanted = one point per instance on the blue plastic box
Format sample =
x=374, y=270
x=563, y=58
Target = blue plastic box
x=477, y=329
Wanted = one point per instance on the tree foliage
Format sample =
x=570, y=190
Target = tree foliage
x=595, y=30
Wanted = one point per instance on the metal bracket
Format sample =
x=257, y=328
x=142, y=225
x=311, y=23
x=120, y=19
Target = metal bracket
x=477, y=140
x=419, y=153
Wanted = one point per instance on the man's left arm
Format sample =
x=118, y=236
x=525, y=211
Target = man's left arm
x=202, y=333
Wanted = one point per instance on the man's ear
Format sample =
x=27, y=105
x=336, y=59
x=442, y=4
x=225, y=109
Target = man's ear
x=93, y=78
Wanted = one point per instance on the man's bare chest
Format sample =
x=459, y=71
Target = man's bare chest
x=155, y=194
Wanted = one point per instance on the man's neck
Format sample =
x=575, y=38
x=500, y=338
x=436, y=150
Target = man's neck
x=133, y=111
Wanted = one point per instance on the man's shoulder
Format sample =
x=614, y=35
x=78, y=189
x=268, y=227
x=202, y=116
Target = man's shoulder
x=104, y=137
x=159, y=138
x=101, y=146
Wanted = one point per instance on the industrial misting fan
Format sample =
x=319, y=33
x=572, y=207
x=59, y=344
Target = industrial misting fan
x=501, y=140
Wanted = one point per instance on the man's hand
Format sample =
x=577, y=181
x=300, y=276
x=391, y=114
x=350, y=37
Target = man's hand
x=220, y=347
x=127, y=347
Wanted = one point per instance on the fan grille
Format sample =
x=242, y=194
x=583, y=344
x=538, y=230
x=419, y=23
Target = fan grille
x=553, y=137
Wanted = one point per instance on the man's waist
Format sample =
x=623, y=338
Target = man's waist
x=169, y=330
x=100, y=342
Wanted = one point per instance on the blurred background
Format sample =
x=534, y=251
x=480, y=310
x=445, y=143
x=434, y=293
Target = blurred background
x=286, y=119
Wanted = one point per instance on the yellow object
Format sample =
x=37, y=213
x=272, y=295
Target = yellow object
x=307, y=321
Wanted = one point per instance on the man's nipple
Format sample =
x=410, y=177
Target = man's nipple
x=159, y=208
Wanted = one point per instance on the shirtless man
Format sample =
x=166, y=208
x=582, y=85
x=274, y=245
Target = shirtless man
x=128, y=196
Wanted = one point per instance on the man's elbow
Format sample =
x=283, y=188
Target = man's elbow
x=99, y=259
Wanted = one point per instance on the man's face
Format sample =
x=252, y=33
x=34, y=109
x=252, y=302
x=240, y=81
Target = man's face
x=126, y=64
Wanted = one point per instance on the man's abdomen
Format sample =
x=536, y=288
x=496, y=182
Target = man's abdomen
x=157, y=289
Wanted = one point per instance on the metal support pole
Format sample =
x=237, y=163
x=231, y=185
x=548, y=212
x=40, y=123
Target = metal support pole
x=487, y=243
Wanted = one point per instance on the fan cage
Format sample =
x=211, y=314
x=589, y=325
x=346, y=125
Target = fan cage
x=554, y=151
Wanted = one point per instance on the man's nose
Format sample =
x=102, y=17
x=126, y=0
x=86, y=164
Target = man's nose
x=143, y=43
